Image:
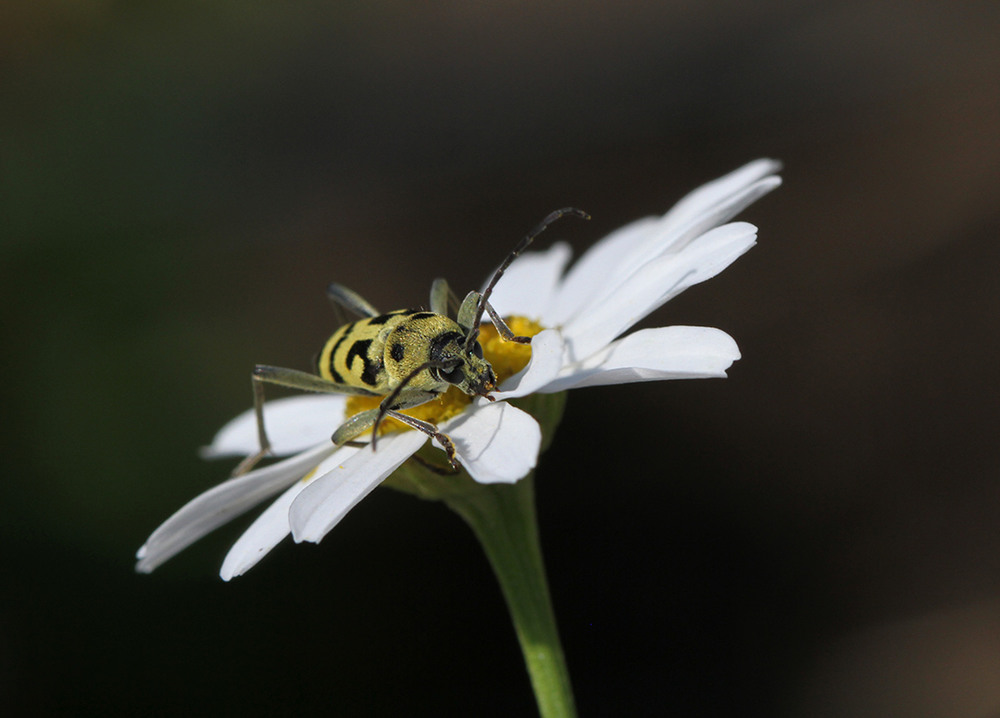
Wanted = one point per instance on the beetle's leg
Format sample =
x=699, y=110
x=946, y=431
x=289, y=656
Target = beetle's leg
x=292, y=379
x=365, y=420
x=431, y=431
x=443, y=301
x=502, y=327
x=467, y=310
x=350, y=300
x=361, y=422
x=354, y=427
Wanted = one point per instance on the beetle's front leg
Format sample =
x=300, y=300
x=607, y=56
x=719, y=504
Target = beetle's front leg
x=502, y=328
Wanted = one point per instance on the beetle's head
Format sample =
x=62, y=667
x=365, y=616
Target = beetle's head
x=462, y=364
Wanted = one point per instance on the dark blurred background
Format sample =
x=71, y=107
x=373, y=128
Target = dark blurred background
x=818, y=535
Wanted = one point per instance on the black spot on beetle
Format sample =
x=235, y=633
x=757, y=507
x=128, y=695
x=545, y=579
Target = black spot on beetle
x=397, y=351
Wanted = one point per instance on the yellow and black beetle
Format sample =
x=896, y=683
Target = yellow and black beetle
x=408, y=356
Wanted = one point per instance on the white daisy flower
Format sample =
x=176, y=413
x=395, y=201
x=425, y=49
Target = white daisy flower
x=575, y=319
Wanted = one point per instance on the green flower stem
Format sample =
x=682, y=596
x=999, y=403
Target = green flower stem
x=503, y=519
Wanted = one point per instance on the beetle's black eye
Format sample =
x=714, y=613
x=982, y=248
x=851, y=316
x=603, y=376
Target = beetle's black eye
x=452, y=376
x=477, y=349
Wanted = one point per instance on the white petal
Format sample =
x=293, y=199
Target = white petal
x=325, y=501
x=293, y=424
x=654, y=354
x=718, y=214
x=706, y=207
x=716, y=191
x=266, y=532
x=593, y=267
x=271, y=527
x=496, y=443
x=615, y=260
x=528, y=285
x=654, y=284
x=223, y=503
x=547, y=350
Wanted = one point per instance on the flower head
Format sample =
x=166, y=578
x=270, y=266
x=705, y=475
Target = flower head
x=578, y=321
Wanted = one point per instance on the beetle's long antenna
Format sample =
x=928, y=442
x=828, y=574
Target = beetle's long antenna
x=522, y=245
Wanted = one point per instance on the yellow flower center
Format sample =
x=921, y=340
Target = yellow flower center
x=506, y=358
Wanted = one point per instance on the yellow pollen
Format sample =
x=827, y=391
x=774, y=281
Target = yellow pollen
x=309, y=477
x=506, y=358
